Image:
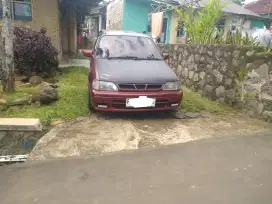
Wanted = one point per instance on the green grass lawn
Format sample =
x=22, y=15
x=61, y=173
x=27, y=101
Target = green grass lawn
x=73, y=102
x=73, y=91
x=194, y=102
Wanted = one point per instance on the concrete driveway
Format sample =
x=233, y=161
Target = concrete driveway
x=230, y=170
x=111, y=133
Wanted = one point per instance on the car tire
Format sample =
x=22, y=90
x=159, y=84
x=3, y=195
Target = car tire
x=90, y=105
x=172, y=111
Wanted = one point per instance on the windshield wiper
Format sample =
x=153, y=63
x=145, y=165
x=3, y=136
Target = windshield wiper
x=124, y=57
x=151, y=57
x=134, y=58
x=148, y=58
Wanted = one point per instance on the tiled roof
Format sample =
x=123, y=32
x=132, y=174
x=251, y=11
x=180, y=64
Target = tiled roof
x=230, y=8
x=260, y=7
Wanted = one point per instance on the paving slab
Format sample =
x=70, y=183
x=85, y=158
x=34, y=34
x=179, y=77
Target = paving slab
x=20, y=124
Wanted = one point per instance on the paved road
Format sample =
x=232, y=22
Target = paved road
x=232, y=170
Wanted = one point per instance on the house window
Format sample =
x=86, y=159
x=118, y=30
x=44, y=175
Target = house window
x=180, y=32
x=220, y=24
x=20, y=10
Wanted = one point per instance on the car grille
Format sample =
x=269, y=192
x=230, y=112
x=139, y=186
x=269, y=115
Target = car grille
x=140, y=87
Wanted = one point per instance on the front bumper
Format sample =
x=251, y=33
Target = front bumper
x=116, y=101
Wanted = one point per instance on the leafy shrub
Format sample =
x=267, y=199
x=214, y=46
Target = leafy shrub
x=239, y=39
x=34, y=53
x=200, y=24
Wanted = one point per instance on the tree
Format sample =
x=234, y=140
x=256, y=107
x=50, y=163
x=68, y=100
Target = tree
x=8, y=70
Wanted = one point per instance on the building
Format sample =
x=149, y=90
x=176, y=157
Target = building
x=97, y=20
x=135, y=15
x=60, y=18
x=235, y=16
x=261, y=7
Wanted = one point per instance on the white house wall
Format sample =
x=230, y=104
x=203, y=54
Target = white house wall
x=238, y=21
x=115, y=15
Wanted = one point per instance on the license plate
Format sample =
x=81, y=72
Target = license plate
x=141, y=102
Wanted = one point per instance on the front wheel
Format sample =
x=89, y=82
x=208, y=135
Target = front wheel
x=90, y=105
x=173, y=112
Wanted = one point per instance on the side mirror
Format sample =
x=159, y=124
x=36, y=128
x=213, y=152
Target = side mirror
x=87, y=53
x=99, y=51
x=165, y=55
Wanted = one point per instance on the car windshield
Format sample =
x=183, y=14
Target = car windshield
x=128, y=47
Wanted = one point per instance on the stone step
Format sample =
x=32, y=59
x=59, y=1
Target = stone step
x=20, y=124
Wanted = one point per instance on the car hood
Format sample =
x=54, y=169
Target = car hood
x=135, y=71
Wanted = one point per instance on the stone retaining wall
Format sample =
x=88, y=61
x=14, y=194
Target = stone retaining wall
x=221, y=72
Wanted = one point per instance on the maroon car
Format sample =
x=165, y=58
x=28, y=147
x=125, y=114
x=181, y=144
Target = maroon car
x=128, y=73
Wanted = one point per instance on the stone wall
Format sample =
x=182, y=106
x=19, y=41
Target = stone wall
x=115, y=15
x=221, y=72
x=258, y=86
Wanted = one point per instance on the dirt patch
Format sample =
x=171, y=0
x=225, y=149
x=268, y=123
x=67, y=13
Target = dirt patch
x=102, y=134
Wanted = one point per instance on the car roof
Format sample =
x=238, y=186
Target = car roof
x=122, y=32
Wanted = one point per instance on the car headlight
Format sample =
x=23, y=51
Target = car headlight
x=104, y=86
x=172, y=86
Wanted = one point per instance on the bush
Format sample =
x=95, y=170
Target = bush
x=34, y=53
x=239, y=39
x=200, y=24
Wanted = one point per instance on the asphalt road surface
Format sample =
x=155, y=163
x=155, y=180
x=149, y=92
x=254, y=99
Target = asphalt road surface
x=231, y=170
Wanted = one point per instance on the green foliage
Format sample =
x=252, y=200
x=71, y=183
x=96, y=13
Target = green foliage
x=34, y=52
x=200, y=25
x=73, y=82
x=241, y=86
x=242, y=73
x=239, y=39
x=219, y=38
x=194, y=102
x=186, y=19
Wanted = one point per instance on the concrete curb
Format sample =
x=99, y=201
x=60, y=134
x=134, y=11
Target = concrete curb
x=20, y=124
x=76, y=63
